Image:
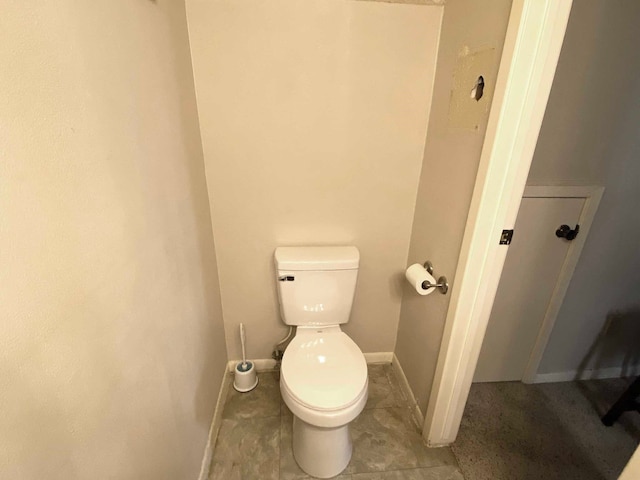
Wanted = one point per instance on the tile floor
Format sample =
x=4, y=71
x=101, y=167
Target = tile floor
x=254, y=441
x=510, y=431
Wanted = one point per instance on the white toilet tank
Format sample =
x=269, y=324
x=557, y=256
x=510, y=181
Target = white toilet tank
x=316, y=285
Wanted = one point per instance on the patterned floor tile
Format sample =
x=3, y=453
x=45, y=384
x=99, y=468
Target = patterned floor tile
x=433, y=473
x=247, y=449
x=255, y=438
x=385, y=439
x=263, y=401
x=382, y=391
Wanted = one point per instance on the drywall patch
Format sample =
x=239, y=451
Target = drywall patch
x=466, y=111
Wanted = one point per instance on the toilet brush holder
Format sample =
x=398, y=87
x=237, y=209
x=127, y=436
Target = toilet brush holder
x=245, y=378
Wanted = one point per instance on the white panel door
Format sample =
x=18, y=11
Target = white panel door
x=530, y=274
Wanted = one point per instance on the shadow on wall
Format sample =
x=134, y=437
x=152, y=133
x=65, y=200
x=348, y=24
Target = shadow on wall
x=619, y=338
x=210, y=337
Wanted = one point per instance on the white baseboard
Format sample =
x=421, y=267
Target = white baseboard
x=215, y=427
x=266, y=364
x=262, y=364
x=418, y=417
x=379, y=357
x=593, y=374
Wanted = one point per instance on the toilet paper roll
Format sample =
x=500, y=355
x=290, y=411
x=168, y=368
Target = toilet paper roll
x=416, y=274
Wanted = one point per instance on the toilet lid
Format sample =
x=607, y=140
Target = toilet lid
x=324, y=371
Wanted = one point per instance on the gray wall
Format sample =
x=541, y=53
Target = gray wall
x=471, y=42
x=591, y=136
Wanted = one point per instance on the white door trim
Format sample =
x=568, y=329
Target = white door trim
x=560, y=191
x=530, y=55
x=592, y=196
x=632, y=470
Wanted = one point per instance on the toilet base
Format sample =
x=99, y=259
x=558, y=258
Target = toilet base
x=321, y=452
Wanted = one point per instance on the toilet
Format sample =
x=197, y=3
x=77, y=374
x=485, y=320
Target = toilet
x=323, y=376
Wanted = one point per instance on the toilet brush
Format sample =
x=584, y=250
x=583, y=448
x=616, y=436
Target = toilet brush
x=245, y=378
x=244, y=351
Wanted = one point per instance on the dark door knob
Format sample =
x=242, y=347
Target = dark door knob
x=566, y=232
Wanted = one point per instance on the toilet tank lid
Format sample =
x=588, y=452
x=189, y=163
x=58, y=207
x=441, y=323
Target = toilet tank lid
x=317, y=258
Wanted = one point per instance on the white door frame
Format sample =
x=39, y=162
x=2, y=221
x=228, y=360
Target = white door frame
x=592, y=196
x=632, y=470
x=529, y=58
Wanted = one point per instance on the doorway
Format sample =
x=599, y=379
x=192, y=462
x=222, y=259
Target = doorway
x=550, y=231
x=481, y=260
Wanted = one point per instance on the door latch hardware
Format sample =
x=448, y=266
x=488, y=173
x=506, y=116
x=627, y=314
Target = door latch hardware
x=506, y=237
x=286, y=278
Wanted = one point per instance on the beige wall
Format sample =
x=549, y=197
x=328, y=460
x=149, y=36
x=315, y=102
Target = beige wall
x=470, y=45
x=112, y=348
x=590, y=137
x=313, y=117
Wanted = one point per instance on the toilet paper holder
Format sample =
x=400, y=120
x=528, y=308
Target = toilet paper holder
x=442, y=285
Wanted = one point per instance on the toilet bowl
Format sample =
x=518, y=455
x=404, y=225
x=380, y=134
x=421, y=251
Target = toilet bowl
x=323, y=376
x=324, y=383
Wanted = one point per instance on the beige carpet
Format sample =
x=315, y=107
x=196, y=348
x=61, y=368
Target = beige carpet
x=548, y=431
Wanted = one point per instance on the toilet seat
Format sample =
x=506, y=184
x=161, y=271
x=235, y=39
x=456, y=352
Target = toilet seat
x=324, y=376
